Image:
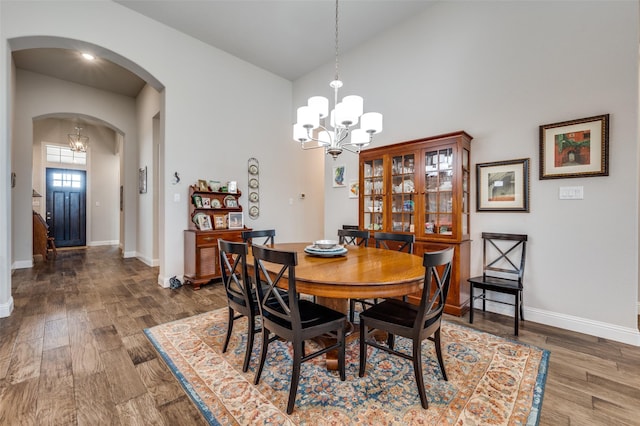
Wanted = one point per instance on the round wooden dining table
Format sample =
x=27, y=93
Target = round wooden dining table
x=362, y=273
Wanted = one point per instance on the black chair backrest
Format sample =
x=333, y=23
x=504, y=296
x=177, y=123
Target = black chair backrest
x=437, y=278
x=267, y=234
x=235, y=277
x=405, y=241
x=504, y=255
x=353, y=237
x=271, y=303
x=350, y=227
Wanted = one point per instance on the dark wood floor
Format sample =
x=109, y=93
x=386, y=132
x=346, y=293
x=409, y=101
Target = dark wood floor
x=73, y=351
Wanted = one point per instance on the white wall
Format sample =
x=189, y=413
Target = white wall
x=37, y=96
x=498, y=70
x=148, y=104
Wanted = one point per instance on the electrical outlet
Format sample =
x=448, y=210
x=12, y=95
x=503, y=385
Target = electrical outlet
x=571, y=193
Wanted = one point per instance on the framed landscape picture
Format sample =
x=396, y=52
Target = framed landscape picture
x=236, y=220
x=576, y=148
x=503, y=186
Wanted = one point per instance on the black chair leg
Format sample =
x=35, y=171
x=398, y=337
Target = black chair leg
x=436, y=341
x=517, y=313
x=352, y=309
x=295, y=375
x=263, y=354
x=341, y=356
x=521, y=306
x=390, y=340
x=417, y=370
x=251, y=332
x=229, y=330
x=471, y=304
x=484, y=300
x=363, y=348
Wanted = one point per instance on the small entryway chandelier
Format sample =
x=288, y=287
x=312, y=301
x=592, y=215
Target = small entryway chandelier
x=311, y=125
x=77, y=142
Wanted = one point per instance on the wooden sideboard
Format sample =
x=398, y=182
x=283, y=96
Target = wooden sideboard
x=201, y=257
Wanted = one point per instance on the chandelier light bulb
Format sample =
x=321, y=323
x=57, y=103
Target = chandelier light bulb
x=308, y=118
x=300, y=133
x=371, y=122
x=320, y=104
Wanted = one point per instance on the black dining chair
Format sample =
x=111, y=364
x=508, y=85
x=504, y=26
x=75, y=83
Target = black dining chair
x=395, y=241
x=400, y=318
x=389, y=241
x=503, y=258
x=240, y=294
x=268, y=235
x=294, y=320
x=353, y=237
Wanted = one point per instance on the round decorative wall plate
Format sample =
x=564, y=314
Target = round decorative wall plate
x=215, y=204
x=253, y=169
x=253, y=183
x=254, y=211
x=253, y=197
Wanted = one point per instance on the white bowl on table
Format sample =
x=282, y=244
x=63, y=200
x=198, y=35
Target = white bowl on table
x=325, y=244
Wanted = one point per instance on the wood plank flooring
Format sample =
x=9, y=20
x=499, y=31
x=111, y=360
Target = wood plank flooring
x=73, y=351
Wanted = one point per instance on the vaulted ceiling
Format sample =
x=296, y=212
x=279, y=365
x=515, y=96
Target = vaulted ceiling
x=287, y=37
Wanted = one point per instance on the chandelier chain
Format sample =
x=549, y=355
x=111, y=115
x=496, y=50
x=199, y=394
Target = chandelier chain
x=337, y=75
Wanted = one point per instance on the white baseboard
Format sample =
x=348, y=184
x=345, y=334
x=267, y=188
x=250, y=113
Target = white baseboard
x=6, y=308
x=147, y=261
x=628, y=335
x=22, y=264
x=103, y=243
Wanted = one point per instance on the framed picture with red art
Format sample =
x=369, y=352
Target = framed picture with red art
x=575, y=148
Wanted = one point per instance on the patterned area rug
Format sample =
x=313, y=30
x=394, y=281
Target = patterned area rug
x=492, y=381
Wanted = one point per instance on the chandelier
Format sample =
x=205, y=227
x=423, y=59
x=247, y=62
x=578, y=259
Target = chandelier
x=311, y=120
x=77, y=142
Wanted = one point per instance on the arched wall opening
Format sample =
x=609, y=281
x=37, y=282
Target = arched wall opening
x=127, y=127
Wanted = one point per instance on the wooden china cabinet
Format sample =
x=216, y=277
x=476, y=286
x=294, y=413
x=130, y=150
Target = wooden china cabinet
x=423, y=187
x=201, y=257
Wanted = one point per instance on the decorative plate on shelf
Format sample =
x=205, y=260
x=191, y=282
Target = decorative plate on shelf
x=195, y=217
x=253, y=197
x=253, y=183
x=215, y=204
x=253, y=169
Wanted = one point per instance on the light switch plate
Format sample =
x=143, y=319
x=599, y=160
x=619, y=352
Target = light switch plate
x=571, y=193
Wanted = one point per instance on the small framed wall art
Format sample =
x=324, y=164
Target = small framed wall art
x=142, y=180
x=503, y=186
x=576, y=148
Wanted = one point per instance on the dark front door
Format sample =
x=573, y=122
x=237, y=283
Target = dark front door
x=66, y=206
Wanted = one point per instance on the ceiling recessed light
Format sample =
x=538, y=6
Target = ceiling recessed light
x=88, y=56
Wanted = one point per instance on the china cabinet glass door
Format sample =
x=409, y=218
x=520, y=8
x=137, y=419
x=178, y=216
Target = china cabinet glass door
x=373, y=194
x=438, y=200
x=403, y=193
x=466, y=182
